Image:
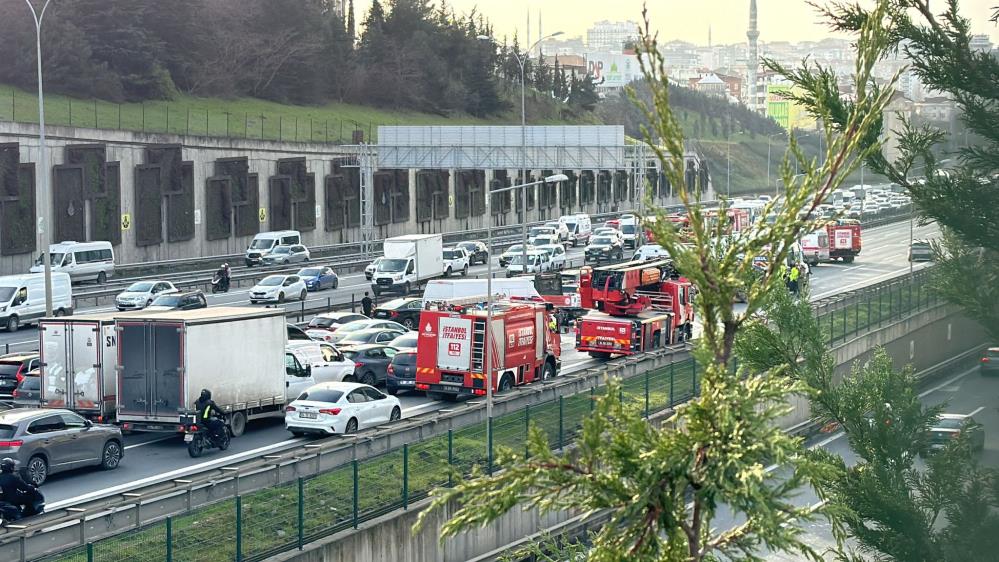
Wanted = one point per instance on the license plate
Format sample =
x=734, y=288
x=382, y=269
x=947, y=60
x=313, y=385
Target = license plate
x=307, y=415
x=154, y=426
x=188, y=437
x=404, y=383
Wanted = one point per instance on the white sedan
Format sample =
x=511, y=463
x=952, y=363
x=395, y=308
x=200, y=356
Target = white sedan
x=279, y=288
x=340, y=408
x=141, y=294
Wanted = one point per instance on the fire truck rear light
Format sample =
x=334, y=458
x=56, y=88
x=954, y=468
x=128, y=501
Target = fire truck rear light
x=421, y=386
x=479, y=392
x=985, y=359
x=391, y=369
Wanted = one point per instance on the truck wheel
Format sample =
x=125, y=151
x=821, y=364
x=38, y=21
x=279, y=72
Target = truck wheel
x=238, y=423
x=847, y=259
x=12, y=323
x=464, y=271
x=548, y=372
x=506, y=383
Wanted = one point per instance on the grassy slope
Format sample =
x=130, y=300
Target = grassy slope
x=245, y=117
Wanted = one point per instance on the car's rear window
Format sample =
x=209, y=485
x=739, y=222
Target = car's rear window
x=404, y=359
x=350, y=354
x=321, y=395
x=993, y=353
x=30, y=383
x=7, y=431
x=949, y=423
x=9, y=369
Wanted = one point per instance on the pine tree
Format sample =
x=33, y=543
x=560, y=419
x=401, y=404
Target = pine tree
x=351, y=23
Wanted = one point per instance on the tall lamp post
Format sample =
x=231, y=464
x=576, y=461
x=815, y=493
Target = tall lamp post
x=728, y=163
x=43, y=160
x=487, y=345
x=522, y=60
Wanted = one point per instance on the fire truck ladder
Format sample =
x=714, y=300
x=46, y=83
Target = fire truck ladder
x=660, y=302
x=478, y=346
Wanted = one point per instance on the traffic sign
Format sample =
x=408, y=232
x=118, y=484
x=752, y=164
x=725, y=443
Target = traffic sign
x=126, y=221
x=263, y=214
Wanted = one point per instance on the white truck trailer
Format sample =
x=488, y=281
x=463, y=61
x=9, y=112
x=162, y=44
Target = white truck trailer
x=165, y=360
x=410, y=262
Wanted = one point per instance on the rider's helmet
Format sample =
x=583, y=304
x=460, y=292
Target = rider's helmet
x=7, y=465
x=206, y=394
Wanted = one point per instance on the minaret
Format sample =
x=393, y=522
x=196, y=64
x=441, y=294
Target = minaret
x=540, y=35
x=527, y=43
x=753, y=34
x=709, y=35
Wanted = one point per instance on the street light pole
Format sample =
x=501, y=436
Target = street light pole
x=43, y=160
x=487, y=344
x=728, y=164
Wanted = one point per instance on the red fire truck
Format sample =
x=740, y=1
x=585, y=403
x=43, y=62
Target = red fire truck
x=844, y=239
x=638, y=306
x=451, y=348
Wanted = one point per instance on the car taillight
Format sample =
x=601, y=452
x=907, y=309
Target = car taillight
x=11, y=444
x=391, y=369
x=193, y=428
x=394, y=314
x=421, y=386
x=985, y=359
x=358, y=364
x=330, y=411
x=289, y=409
x=20, y=373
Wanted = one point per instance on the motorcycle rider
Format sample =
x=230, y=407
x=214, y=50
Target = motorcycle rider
x=223, y=275
x=15, y=491
x=209, y=414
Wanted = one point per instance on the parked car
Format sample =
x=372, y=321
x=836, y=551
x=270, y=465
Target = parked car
x=920, y=250
x=406, y=341
x=455, y=260
x=405, y=311
x=319, y=278
x=340, y=407
x=326, y=362
x=282, y=255
x=279, y=288
x=515, y=250
x=141, y=294
x=556, y=254
x=951, y=426
x=560, y=229
x=370, y=335
x=190, y=300
x=369, y=271
x=990, y=361
x=47, y=441
x=604, y=248
x=28, y=393
x=371, y=362
x=322, y=326
x=608, y=231
x=366, y=324
x=401, y=373
x=536, y=231
x=477, y=251
x=650, y=251
x=13, y=368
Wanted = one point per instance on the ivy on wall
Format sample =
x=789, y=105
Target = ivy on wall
x=178, y=190
x=501, y=202
x=567, y=191
x=432, y=195
x=68, y=203
x=148, y=197
x=101, y=183
x=218, y=207
x=603, y=186
x=301, y=193
x=587, y=187
x=17, y=202
x=242, y=199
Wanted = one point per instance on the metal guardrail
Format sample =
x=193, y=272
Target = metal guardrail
x=318, y=468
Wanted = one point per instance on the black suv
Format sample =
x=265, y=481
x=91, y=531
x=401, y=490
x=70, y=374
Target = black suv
x=180, y=301
x=405, y=311
x=13, y=368
x=604, y=247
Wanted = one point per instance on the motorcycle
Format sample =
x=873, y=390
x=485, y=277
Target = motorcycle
x=9, y=512
x=220, y=284
x=198, y=439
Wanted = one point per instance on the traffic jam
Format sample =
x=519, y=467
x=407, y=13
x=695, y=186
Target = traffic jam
x=152, y=365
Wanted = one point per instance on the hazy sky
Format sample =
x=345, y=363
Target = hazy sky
x=787, y=20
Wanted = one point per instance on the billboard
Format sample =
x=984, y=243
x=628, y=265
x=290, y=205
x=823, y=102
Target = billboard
x=781, y=108
x=612, y=70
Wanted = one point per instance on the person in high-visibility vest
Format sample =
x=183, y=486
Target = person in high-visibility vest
x=206, y=407
x=793, y=278
x=552, y=323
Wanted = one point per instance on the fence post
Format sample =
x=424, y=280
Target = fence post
x=143, y=117
x=169, y=539
x=239, y=528
x=119, y=115
x=489, y=446
x=327, y=130
x=168, y=119
x=95, y=113
x=450, y=458
x=646, y=394
x=296, y=128
x=405, y=475
x=693, y=376
x=561, y=422
x=354, y=465
x=593, y=393
x=672, y=376
x=227, y=123
x=301, y=513
x=280, y=127
x=856, y=316
x=70, y=112
x=527, y=430
x=90, y=552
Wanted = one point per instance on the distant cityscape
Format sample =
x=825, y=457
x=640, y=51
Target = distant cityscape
x=608, y=55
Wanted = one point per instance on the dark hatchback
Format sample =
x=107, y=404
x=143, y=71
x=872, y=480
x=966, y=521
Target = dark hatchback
x=405, y=311
x=401, y=374
x=990, y=361
x=13, y=368
x=28, y=393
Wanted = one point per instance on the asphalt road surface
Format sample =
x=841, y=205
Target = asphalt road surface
x=150, y=456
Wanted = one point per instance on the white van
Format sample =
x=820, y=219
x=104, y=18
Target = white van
x=445, y=290
x=22, y=298
x=580, y=228
x=83, y=261
x=326, y=362
x=265, y=242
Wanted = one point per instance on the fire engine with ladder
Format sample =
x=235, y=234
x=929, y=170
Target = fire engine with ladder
x=452, y=346
x=636, y=306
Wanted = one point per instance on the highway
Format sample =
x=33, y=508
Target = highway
x=153, y=455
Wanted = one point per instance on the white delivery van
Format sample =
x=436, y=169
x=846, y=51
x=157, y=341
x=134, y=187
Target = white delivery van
x=580, y=228
x=446, y=290
x=83, y=261
x=410, y=262
x=22, y=298
x=265, y=242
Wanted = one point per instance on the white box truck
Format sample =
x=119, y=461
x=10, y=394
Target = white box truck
x=446, y=289
x=165, y=359
x=410, y=262
x=79, y=358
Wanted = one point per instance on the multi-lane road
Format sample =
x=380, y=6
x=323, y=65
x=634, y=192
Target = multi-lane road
x=153, y=456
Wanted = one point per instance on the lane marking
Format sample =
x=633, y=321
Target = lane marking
x=144, y=443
